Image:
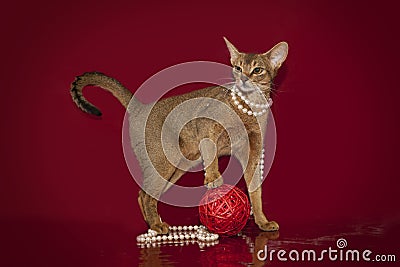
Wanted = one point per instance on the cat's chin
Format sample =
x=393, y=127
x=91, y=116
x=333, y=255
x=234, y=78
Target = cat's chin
x=247, y=89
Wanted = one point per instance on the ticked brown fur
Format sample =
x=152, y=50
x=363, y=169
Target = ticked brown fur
x=196, y=137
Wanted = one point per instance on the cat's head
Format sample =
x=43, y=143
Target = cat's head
x=256, y=71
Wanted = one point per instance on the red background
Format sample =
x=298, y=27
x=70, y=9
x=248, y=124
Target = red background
x=336, y=113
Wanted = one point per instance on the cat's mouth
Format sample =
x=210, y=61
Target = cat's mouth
x=246, y=87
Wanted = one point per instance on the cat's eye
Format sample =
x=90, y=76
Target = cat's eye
x=237, y=68
x=257, y=70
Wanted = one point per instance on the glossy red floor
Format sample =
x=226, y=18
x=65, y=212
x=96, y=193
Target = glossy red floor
x=66, y=195
x=40, y=243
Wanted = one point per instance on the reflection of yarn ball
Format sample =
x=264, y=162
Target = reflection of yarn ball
x=224, y=210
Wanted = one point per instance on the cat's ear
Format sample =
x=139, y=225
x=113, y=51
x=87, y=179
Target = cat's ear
x=232, y=50
x=277, y=54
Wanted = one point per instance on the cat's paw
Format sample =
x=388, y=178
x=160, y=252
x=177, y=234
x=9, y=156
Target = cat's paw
x=269, y=226
x=213, y=184
x=160, y=228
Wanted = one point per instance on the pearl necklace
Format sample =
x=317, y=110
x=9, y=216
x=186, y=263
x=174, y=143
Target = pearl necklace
x=261, y=164
x=178, y=234
x=235, y=93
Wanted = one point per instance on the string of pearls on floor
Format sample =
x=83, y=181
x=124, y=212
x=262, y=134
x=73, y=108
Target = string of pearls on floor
x=236, y=93
x=179, y=234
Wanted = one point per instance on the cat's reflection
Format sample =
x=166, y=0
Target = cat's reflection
x=150, y=255
x=259, y=244
x=241, y=249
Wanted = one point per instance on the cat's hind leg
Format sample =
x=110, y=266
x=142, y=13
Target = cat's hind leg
x=208, y=152
x=148, y=206
x=153, y=184
x=174, y=178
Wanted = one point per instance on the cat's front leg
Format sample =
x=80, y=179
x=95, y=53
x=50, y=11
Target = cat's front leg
x=259, y=216
x=252, y=176
x=208, y=152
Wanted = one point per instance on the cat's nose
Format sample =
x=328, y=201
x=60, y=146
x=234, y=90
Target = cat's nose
x=244, y=78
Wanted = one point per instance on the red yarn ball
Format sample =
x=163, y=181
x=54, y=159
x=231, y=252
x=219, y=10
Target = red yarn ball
x=224, y=210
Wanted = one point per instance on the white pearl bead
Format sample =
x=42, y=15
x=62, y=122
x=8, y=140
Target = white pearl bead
x=148, y=239
x=176, y=237
x=196, y=227
x=244, y=110
x=249, y=112
x=262, y=167
x=170, y=237
x=247, y=101
x=234, y=97
x=153, y=238
x=179, y=228
x=236, y=102
x=251, y=104
x=257, y=105
x=239, y=93
x=158, y=238
x=264, y=110
x=187, y=236
x=181, y=237
x=174, y=228
x=242, y=97
x=255, y=114
x=192, y=236
x=164, y=237
x=184, y=228
x=240, y=106
x=190, y=228
x=207, y=238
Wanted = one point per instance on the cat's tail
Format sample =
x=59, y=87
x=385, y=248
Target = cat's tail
x=98, y=79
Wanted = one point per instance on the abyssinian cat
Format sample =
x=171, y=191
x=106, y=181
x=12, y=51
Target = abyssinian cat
x=249, y=99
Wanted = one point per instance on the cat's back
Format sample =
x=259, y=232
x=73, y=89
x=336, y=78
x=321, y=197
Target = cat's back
x=208, y=92
x=166, y=105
